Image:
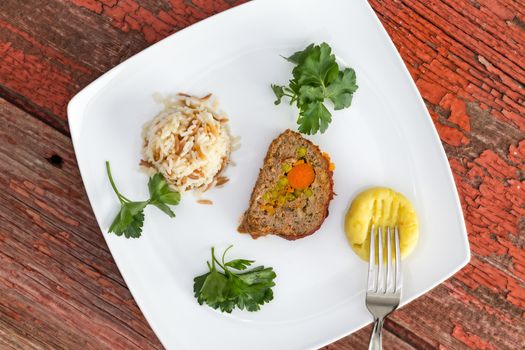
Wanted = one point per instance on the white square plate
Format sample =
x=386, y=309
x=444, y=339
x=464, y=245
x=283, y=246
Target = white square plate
x=385, y=138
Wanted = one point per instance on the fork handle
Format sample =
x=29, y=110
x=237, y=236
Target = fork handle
x=375, y=337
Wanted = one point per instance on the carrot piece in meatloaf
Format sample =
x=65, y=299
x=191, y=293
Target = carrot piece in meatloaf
x=292, y=193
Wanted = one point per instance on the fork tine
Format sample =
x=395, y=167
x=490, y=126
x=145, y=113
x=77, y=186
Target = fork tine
x=380, y=273
x=390, y=274
x=399, y=281
x=372, y=263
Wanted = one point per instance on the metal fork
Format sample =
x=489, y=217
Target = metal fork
x=384, y=285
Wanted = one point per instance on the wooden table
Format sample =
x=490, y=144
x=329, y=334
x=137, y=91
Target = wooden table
x=59, y=286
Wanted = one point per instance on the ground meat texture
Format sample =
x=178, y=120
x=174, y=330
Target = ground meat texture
x=302, y=216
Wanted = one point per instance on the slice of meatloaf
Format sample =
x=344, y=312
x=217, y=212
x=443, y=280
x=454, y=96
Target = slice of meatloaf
x=277, y=207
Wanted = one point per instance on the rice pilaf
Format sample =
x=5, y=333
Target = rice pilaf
x=188, y=142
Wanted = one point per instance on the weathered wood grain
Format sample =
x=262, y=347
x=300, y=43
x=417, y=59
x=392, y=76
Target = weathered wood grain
x=59, y=285
x=50, y=50
x=467, y=60
x=360, y=339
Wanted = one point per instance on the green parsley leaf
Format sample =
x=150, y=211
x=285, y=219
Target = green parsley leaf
x=160, y=191
x=167, y=210
x=315, y=78
x=226, y=290
x=249, y=296
x=318, y=68
x=198, y=282
x=214, y=289
x=279, y=92
x=239, y=264
x=341, y=90
x=130, y=218
x=309, y=94
x=257, y=275
x=314, y=116
x=299, y=56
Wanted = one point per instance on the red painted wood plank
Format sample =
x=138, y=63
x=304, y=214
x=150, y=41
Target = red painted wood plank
x=59, y=285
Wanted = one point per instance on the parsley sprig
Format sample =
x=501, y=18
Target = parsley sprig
x=316, y=77
x=229, y=289
x=130, y=219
